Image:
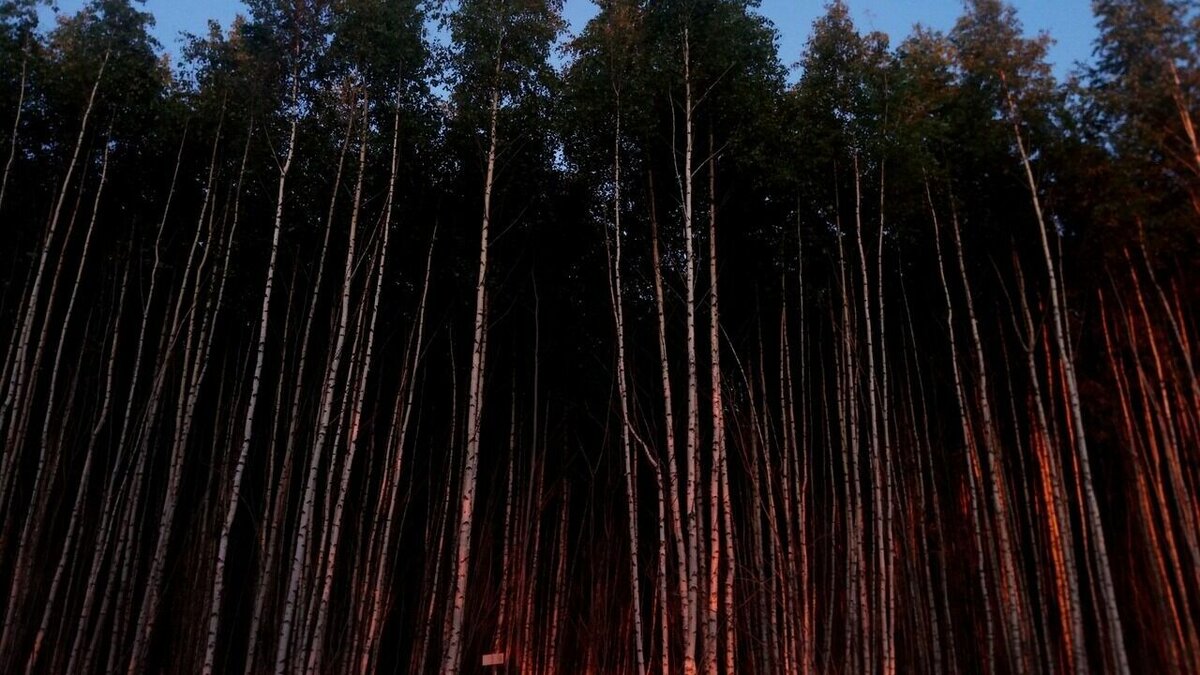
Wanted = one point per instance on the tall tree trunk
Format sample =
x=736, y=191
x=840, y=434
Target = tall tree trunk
x=691, y=473
x=1014, y=606
x=12, y=146
x=675, y=508
x=616, y=295
x=877, y=469
x=974, y=474
x=1108, y=595
x=364, y=368
x=720, y=509
x=1050, y=473
x=15, y=387
x=452, y=658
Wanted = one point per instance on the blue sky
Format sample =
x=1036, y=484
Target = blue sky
x=1070, y=22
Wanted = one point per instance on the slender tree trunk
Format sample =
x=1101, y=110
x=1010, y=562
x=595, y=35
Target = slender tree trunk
x=616, y=295
x=877, y=469
x=1108, y=599
x=973, y=472
x=692, y=478
x=12, y=146
x=277, y=493
x=16, y=386
x=327, y=402
x=720, y=506
x=48, y=458
x=407, y=390
x=210, y=648
x=356, y=414
x=89, y=457
x=1014, y=607
x=672, y=462
x=452, y=658
x=1051, y=475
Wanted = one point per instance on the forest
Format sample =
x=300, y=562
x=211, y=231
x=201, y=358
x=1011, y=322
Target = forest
x=426, y=337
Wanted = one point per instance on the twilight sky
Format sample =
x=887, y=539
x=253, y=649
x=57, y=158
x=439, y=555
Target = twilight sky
x=1070, y=22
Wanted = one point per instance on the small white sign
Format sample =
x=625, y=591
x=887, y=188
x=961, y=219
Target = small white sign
x=496, y=659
